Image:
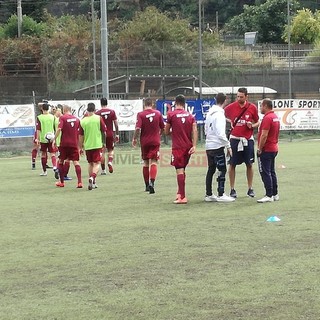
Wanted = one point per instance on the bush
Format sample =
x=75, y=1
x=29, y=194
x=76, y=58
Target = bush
x=29, y=27
x=22, y=54
x=67, y=49
x=314, y=56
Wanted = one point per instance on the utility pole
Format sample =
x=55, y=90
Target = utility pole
x=217, y=22
x=19, y=14
x=200, y=50
x=104, y=49
x=289, y=49
x=93, y=17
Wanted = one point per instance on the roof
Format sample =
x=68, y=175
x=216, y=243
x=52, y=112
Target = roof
x=234, y=90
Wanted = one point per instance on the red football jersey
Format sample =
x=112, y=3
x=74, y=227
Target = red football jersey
x=69, y=126
x=150, y=122
x=233, y=110
x=108, y=116
x=181, y=122
x=272, y=123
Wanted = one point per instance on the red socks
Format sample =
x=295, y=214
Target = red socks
x=93, y=175
x=181, y=184
x=150, y=173
x=153, y=171
x=145, y=172
x=44, y=164
x=34, y=153
x=78, y=172
x=61, y=172
x=54, y=161
x=66, y=168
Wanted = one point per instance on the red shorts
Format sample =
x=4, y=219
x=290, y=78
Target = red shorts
x=109, y=143
x=94, y=155
x=180, y=158
x=150, y=152
x=69, y=153
x=44, y=147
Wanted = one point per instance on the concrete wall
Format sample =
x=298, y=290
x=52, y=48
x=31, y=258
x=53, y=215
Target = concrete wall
x=16, y=144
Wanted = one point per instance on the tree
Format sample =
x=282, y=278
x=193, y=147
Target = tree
x=224, y=9
x=67, y=47
x=153, y=35
x=305, y=27
x=187, y=9
x=29, y=27
x=310, y=4
x=33, y=9
x=268, y=19
x=151, y=24
x=20, y=54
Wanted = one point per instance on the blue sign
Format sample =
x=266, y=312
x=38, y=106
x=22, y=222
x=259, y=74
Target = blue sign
x=17, y=132
x=198, y=108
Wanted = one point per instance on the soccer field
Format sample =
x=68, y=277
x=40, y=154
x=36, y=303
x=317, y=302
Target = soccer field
x=119, y=253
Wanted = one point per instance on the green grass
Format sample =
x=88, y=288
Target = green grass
x=119, y=253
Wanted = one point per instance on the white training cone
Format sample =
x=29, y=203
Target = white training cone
x=273, y=219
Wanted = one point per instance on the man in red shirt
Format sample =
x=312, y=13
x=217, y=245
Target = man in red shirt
x=183, y=129
x=34, y=152
x=268, y=137
x=110, y=120
x=243, y=116
x=92, y=137
x=68, y=127
x=44, y=125
x=149, y=126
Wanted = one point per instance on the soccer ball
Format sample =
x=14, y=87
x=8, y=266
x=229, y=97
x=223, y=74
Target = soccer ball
x=49, y=136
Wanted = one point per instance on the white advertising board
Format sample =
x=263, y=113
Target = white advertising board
x=297, y=114
x=17, y=121
x=126, y=110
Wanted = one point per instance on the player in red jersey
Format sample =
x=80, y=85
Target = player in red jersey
x=110, y=119
x=92, y=137
x=57, y=112
x=35, y=148
x=183, y=129
x=268, y=137
x=243, y=116
x=149, y=126
x=68, y=147
x=44, y=125
x=34, y=151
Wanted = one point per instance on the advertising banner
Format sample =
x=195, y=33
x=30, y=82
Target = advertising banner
x=297, y=114
x=198, y=108
x=126, y=110
x=17, y=121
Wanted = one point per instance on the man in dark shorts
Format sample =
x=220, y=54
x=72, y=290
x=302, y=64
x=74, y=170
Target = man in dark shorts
x=243, y=116
x=149, y=126
x=182, y=126
x=110, y=120
x=92, y=139
x=44, y=125
x=68, y=127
